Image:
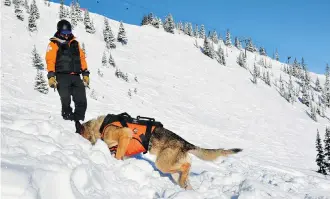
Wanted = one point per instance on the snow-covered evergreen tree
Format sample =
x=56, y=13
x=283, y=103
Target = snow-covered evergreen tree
x=19, y=12
x=327, y=148
x=291, y=96
x=214, y=37
x=318, y=85
x=305, y=96
x=78, y=11
x=277, y=58
x=104, y=59
x=249, y=46
x=99, y=72
x=202, y=32
x=268, y=81
x=241, y=60
x=255, y=74
x=262, y=51
x=186, y=28
x=122, y=34
x=73, y=15
x=207, y=49
x=32, y=26
x=228, y=39
x=320, y=157
x=36, y=59
x=112, y=61
x=190, y=30
x=196, y=32
x=34, y=9
x=221, y=57
x=89, y=26
x=26, y=6
x=108, y=36
x=41, y=83
x=7, y=2
x=237, y=43
x=169, y=24
x=313, y=111
x=180, y=27
x=326, y=89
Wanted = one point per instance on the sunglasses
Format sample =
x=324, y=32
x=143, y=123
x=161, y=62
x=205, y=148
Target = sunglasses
x=65, y=35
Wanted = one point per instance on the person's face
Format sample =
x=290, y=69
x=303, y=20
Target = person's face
x=66, y=36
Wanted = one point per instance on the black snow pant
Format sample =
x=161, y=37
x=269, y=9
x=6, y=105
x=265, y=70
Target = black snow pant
x=72, y=85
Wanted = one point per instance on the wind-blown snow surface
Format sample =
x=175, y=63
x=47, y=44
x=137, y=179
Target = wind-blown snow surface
x=208, y=104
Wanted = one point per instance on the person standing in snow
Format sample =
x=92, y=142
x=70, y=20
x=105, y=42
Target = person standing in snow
x=65, y=62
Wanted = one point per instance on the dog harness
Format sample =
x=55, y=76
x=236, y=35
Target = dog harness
x=142, y=128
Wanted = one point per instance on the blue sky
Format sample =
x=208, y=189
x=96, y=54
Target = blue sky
x=296, y=28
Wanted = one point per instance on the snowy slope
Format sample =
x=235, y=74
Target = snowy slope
x=208, y=104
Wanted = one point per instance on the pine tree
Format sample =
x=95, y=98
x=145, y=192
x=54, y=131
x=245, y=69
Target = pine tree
x=112, y=61
x=32, y=26
x=228, y=39
x=73, y=15
x=291, y=97
x=190, y=30
x=186, y=28
x=313, y=112
x=196, y=32
x=104, y=59
x=207, y=48
x=327, y=148
x=99, y=72
x=122, y=34
x=249, y=46
x=268, y=81
x=255, y=74
x=214, y=37
x=40, y=83
x=27, y=7
x=326, y=89
x=262, y=51
x=78, y=11
x=180, y=26
x=202, y=32
x=318, y=85
x=7, y=2
x=241, y=60
x=36, y=59
x=19, y=12
x=169, y=24
x=221, y=56
x=320, y=157
x=34, y=9
x=237, y=43
x=108, y=36
x=305, y=96
x=89, y=26
x=277, y=58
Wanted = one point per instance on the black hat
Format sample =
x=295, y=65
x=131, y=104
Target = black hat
x=64, y=27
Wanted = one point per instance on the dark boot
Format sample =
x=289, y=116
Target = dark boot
x=78, y=127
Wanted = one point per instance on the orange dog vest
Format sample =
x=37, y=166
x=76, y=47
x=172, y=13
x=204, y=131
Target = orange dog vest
x=142, y=128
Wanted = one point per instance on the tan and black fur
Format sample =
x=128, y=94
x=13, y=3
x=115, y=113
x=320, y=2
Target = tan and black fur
x=170, y=149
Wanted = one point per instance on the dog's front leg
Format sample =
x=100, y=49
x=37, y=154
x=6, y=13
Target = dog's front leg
x=123, y=142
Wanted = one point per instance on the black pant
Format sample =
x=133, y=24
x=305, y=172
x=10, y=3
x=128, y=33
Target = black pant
x=72, y=85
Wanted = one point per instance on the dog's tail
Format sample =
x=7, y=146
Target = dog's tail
x=212, y=154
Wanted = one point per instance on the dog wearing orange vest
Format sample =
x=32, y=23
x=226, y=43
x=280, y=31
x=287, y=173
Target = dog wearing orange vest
x=171, y=150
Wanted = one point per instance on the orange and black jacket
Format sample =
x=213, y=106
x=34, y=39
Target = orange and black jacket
x=65, y=57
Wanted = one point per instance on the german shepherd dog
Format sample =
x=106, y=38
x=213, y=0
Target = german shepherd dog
x=170, y=149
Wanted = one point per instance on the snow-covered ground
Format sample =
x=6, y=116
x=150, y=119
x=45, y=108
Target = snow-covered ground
x=208, y=104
